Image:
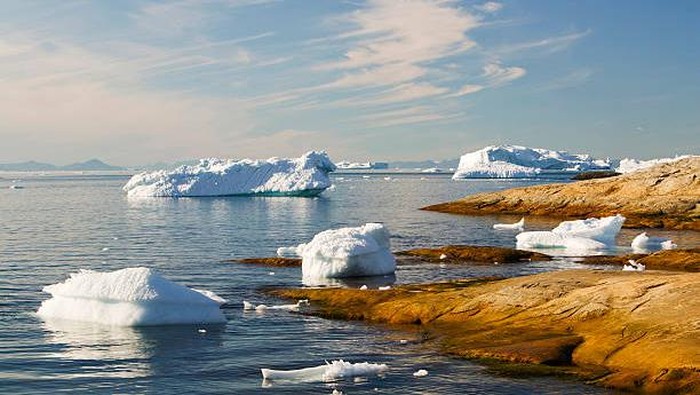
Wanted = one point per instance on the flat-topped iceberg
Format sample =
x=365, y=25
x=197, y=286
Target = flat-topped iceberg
x=135, y=296
x=346, y=252
x=513, y=161
x=304, y=176
x=575, y=237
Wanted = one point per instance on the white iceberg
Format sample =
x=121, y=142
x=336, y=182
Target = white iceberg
x=420, y=373
x=644, y=243
x=304, y=176
x=520, y=225
x=628, y=165
x=331, y=371
x=346, y=252
x=512, y=161
x=129, y=297
x=634, y=266
x=576, y=237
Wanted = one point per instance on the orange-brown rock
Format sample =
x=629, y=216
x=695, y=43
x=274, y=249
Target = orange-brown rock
x=664, y=196
x=682, y=259
x=640, y=329
x=274, y=262
x=482, y=254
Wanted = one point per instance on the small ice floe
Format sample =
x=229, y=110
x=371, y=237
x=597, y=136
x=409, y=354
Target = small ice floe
x=420, y=373
x=136, y=296
x=271, y=273
x=331, y=371
x=387, y=178
x=201, y=330
x=16, y=186
x=634, y=266
x=262, y=307
x=442, y=266
x=105, y=248
x=443, y=256
x=384, y=288
x=366, y=177
x=363, y=287
x=115, y=238
x=337, y=392
x=643, y=243
x=403, y=341
x=287, y=252
x=519, y=226
x=331, y=188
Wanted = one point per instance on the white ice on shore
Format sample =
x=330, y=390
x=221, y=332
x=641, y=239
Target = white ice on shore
x=634, y=266
x=519, y=226
x=513, y=161
x=331, y=371
x=304, y=176
x=135, y=296
x=575, y=237
x=346, y=252
x=644, y=243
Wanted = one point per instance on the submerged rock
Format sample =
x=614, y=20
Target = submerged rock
x=683, y=260
x=272, y=261
x=663, y=196
x=481, y=254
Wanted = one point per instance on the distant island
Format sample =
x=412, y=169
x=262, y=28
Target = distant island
x=89, y=165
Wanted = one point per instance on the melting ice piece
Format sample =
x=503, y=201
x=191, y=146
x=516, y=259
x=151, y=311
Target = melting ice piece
x=548, y=239
x=420, y=373
x=643, y=243
x=520, y=225
x=604, y=230
x=634, y=266
x=129, y=297
x=262, y=307
x=348, y=252
x=331, y=371
x=304, y=176
x=287, y=252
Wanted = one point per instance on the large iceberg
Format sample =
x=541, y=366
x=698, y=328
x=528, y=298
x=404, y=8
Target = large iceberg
x=513, y=161
x=346, y=252
x=304, y=176
x=575, y=237
x=129, y=297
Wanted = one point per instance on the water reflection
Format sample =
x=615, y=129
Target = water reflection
x=125, y=352
x=351, y=282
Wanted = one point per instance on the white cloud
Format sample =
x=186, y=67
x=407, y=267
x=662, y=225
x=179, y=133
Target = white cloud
x=405, y=116
x=467, y=90
x=498, y=75
x=549, y=45
x=490, y=7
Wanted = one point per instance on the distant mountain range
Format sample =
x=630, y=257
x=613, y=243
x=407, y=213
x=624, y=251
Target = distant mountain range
x=90, y=165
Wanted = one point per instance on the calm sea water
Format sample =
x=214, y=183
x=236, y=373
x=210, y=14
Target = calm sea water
x=58, y=224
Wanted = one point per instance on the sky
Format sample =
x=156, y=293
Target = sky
x=137, y=82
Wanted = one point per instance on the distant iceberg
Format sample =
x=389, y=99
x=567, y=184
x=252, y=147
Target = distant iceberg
x=135, y=296
x=304, y=176
x=512, y=161
x=346, y=252
x=628, y=165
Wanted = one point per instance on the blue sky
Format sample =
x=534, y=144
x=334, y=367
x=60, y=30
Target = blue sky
x=135, y=82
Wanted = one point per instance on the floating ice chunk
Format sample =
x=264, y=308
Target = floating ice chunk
x=512, y=161
x=129, y=297
x=643, y=243
x=420, y=373
x=604, y=230
x=331, y=371
x=364, y=287
x=201, y=330
x=337, y=392
x=634, y=266
x=288, y=252
x=348, y=252
x=520, y=225
x=443, y=256
x=384, y=288
x=105, y=248
x=548, y=239
x=262, y=307
x=304, y=176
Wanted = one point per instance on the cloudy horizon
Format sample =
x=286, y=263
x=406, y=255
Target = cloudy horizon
x=139, y=82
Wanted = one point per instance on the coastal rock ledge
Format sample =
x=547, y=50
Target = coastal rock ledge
x=625, y=330
x=664, y=196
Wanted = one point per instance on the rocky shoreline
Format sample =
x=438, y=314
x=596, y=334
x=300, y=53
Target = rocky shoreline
x=664, y=196
x=624, y=330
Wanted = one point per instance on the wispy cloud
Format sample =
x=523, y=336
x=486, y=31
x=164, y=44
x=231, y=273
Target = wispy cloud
x=548, y=45
x=498, y=75
x=571, y=80
x=490, y=7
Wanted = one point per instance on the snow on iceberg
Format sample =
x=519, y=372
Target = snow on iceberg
x=576, y=237
x=346, y=252
x=643, y=243
x=520, y=225
x=304, y=176
x=331, y=371
x=513, y=161
x=628, y=165
x=135, y=296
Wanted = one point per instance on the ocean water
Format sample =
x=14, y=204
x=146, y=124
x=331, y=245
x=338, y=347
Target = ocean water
x=58, y=224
